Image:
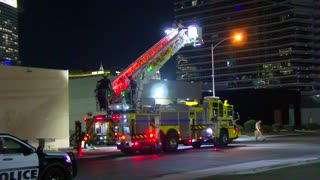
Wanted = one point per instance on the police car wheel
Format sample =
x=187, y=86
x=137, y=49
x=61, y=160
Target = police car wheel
x=55, y=173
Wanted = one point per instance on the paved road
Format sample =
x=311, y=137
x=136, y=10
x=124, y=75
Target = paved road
x=262, y=169
x=309, y=171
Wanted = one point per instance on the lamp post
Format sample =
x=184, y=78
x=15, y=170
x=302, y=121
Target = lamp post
x=237, y=37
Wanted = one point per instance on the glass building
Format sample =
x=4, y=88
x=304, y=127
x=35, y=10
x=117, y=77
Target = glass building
x=9, y=45
x=281, y=50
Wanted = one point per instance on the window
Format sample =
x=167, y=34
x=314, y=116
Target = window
x=194, y=2
x=220, y=110
x=10, y=146
x=230, y=113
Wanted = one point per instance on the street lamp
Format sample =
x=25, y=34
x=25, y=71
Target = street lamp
x=237, y=38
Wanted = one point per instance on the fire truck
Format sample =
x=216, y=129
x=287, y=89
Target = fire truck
x=162, y=127
x=165, y=128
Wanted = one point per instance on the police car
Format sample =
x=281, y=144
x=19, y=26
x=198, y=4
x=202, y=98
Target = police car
x=19, y=160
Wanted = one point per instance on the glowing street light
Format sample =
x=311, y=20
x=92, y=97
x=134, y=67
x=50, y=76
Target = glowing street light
x=237, y=37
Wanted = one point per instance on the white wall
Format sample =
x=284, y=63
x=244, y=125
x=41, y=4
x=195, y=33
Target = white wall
x=34, y=104
x=81, y=98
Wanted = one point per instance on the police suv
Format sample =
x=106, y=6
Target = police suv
x=19, y=160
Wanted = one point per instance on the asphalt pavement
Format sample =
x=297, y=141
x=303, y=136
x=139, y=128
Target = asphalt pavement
x=298, y=168
x=309, y=171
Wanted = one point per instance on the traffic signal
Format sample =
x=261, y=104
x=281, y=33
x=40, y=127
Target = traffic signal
x=78, y=131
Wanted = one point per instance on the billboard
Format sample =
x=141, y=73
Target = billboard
x=12, y=3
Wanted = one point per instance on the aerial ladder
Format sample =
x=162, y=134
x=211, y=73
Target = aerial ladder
x=145, y=67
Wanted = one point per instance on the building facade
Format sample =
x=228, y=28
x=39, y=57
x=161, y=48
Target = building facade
x=9, y=42
x=281, y=51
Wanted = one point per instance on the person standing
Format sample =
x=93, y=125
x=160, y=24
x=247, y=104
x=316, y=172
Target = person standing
x=258, y=132
x=132, y=91
x=105, y=83
x=102, y=90
x=101, y=96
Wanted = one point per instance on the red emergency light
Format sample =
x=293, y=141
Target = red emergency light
x=116, y=117
x=99, y=118
x=235, y=130
x=152, y=137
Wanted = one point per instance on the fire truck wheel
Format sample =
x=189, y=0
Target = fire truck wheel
x=196, y=144
x=223, y=139
x=172, y=141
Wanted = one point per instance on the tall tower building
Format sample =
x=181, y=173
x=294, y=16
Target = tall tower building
x=9, y=45
x=281, y=51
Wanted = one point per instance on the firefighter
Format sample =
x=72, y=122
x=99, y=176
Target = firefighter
x=258, y=132
x=103, y=88
x=153, y=128
x=101, y=96
x=132, y=91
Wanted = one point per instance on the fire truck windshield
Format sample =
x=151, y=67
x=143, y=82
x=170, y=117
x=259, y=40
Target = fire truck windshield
x=126, y=130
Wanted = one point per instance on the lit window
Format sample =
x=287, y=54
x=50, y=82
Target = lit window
x=194, y=2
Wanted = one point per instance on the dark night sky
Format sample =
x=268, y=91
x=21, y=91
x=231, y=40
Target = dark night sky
x=79, y=34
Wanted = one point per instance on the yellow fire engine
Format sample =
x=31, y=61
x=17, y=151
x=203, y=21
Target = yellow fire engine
x=213, y=122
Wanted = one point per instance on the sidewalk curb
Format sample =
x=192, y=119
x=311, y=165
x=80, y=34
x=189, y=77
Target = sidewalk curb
x=298, y=133
x=274, y=167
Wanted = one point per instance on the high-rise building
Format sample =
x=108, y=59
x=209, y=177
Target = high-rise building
x=9, y=45
x=281, y=50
